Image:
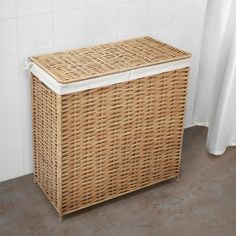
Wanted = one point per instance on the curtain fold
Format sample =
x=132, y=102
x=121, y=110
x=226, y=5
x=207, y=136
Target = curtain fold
x=215, y=99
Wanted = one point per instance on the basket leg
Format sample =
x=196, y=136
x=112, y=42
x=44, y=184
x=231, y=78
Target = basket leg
x=60, y=218
x=177, y=178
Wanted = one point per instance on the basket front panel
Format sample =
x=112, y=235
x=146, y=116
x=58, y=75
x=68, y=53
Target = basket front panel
x=121, y=138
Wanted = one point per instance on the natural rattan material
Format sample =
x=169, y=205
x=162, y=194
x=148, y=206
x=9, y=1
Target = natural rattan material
x=101, y=143
x=81, y=64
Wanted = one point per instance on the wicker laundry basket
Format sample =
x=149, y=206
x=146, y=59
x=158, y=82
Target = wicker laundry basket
x=107, y=120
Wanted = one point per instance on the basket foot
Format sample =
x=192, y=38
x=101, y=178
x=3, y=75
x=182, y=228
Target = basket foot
x=60, y=218
x=177, y=178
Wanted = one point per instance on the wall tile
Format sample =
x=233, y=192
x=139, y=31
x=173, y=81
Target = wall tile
x=28, y=160
x=68, y=4
x=35, y=32
x=70, y=46
x=27, y=132
x=186, y=37
x=135, y=24
x=25, y=101
x=166, y=35
x=189, y=37
x=8, y=38
x=7, y=8
x=101, y=22
x=189, y=12
x=70, y=27
x=188, y=118
x=24, y=75
x=9, y=72
x=11, y=165
x=10, y=105
x=10, y=136
x=30, y=7
x=192, y=84
x=103, y=41
x=162, y=14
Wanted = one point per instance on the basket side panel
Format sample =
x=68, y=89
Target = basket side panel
x=45, y=139
x=121, y=138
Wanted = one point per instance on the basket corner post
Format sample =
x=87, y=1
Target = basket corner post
x=59, y=157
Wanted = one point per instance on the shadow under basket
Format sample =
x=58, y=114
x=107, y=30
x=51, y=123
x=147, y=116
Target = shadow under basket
x=96, y=140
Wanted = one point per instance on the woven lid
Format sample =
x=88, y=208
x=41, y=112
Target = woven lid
x=85, y=63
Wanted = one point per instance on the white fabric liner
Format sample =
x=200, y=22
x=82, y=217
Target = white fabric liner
x=107, y=80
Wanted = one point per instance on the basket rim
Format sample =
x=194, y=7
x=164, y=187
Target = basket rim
x=107, y=80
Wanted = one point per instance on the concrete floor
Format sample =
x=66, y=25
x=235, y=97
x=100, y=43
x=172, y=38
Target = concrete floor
x=202, y=203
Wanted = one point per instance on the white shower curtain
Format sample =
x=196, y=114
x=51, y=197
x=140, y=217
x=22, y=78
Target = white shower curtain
x=215, y=101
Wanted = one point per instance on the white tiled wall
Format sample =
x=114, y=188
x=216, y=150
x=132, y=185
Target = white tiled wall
x=30, y=27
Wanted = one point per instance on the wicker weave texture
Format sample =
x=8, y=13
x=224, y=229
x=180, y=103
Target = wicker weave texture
x=112, y=140
x=46, y=138
x=86, y=63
